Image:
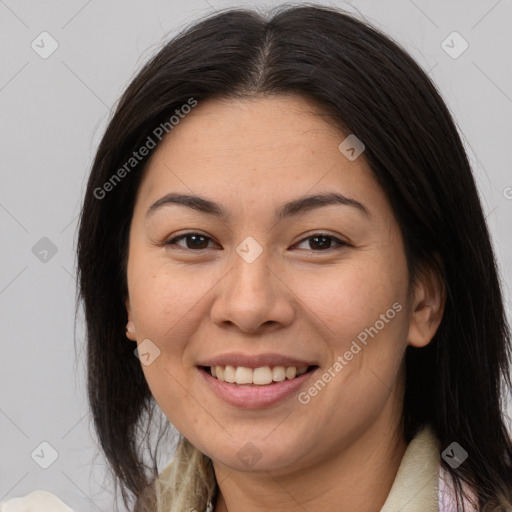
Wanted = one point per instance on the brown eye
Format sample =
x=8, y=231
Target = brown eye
x=321, y=242
x=318, y=242
x=193, y=241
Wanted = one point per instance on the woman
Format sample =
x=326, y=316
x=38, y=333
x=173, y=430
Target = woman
x=207, y=256
x=282, y=221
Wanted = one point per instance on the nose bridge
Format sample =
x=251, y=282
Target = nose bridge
x=249, y=295
x=251, y=274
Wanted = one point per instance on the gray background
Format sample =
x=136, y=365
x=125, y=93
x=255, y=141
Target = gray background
x=53, y=113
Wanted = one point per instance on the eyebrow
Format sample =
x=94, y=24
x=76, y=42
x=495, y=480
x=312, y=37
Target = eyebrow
x=292, y=208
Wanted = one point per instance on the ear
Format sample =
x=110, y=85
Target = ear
x=130, y=326
x=427, y=307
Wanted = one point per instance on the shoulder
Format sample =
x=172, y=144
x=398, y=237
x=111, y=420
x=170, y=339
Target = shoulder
x=36, y=501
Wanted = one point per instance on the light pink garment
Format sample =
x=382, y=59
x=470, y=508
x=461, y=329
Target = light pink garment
x=447, y=501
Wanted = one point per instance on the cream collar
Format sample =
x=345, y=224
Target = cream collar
x=416, y=484
x=416, y=487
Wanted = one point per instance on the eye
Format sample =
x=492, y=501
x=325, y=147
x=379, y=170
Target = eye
x=197, y=241
x=322, y=241
x=318, y=242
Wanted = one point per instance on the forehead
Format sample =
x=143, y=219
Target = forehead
x=255, y=149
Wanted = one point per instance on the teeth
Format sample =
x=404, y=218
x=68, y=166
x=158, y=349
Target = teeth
x=243, y=375
x=278, y=373
x=260, y=376
x=291, y=372
x=229, y=374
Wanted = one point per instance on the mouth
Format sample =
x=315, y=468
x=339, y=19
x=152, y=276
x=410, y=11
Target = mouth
x=256, y=377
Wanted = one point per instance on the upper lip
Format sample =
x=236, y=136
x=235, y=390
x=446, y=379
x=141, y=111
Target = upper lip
x=255, y=361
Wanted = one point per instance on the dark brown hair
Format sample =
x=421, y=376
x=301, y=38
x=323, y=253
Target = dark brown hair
x=369, y=86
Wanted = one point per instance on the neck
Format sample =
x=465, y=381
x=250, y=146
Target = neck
x=357, y=477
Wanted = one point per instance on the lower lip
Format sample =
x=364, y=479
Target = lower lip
x=254, y=397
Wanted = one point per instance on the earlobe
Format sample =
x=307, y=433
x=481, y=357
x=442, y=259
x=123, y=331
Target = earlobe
x=130, y=325
x=130, y=331
x=427, y=308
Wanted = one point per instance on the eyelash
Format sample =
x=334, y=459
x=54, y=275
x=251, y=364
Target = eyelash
x=323, y=235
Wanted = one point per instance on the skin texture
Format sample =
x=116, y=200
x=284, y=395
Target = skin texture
x=341, y=450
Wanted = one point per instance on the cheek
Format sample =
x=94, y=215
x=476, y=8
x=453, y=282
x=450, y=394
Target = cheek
x=167, y=308
x=346, y=299
x=359, y=311
x=166, y=300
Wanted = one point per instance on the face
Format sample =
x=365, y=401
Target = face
x=324, y=287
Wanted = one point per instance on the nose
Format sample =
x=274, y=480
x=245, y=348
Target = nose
x=253, y=297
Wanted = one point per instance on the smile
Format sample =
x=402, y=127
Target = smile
x=262, y=376
x=250, y=395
